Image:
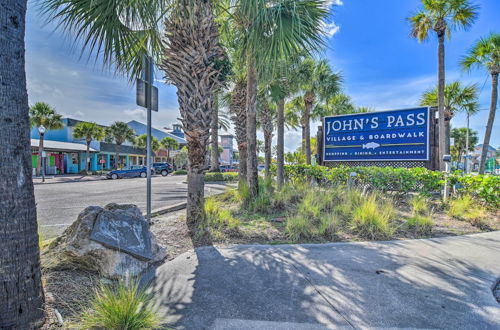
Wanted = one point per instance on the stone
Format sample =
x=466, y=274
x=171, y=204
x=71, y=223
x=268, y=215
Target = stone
x=114, y=241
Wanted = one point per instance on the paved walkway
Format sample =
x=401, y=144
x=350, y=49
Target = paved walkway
x=441, y=283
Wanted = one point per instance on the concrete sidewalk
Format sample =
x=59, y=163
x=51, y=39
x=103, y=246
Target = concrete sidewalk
x=441, y=283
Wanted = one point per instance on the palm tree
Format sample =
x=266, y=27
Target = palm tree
x=89, y=132
x=465, y=140
x=170, y=144
x=272, y=31
x=317, y=82
x=457, y=98
x=194, y=61
x=442, y=17
x=21, y=294
x=214, y=136
x=118, y=133
x=42, y=114
x=267, y=117
x=486, y=53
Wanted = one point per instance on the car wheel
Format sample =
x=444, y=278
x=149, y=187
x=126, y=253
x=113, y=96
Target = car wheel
x=144, y=174
x=164, y=172
x=114, y=176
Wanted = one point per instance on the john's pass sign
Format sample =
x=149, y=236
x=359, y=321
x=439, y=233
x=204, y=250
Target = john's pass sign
x=395, y=135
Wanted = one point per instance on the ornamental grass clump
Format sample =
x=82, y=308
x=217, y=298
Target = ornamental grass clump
x=218, y=217
x=465, y=208
x=421, y=219
x=120, y=306
x=299, y=228
x=372, y=218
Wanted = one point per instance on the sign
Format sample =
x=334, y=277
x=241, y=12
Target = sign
x=394, y=135
x=44, y=154
x=102, y=161
x=141, y=95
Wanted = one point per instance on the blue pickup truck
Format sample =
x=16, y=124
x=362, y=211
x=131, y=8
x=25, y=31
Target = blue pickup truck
x=129, y=172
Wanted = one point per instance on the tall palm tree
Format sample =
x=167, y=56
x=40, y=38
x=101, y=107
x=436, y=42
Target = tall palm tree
x=214, y=136
x=42, y=114
x=317, y=82
x=170, y=144
x=272, y=31
x=267, y=116
x=194, y=61
x=118, y=133
x=457, y=98
x=465, y=141
x=89, y=132
x=142, y=140
x=442, y=17
x=21, y=294
x=486, y=53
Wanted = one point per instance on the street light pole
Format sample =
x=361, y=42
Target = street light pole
x=467, y=145
x=41, y=131
x=148, y=77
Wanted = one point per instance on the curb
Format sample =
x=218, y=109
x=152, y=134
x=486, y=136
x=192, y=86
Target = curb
x=168, y=209
x=67, y=181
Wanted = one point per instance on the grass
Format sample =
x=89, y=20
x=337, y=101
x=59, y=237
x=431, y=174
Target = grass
x=299, y=228
x=464, y=208
x=371, y=219
x=419, y=205
x=123, y=306
x=420, y=221
x=218, y=217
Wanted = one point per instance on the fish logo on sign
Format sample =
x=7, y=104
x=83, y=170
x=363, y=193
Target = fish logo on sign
x=371, y=145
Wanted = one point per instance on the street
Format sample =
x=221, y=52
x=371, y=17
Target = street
x=59, y=204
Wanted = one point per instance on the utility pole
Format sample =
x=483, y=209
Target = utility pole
x=466, y=165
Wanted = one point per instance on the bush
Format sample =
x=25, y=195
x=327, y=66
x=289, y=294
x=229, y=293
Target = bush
x=483, y=188
x=120, y=306
x=221, y=177
x=371, y=219
x=421, y=224
x=464, y=208
x=179, y=172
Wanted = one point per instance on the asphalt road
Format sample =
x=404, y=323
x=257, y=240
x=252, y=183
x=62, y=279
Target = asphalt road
x=59, y=204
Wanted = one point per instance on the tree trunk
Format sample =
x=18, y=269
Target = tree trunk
x=307, y=131
x=214, y=130
x=491, y=119
x=39, y=158
x=117, y=156
x=280, y=159
x=21, y=294
x=303, y=136
x=87, y=157
x=252, y=172
x=191, y=56
x=239, y=119
x=441, y=86
x=268, y=136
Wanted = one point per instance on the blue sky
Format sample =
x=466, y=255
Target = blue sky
x=382, y=67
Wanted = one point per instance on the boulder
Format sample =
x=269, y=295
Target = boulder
x=114, y=241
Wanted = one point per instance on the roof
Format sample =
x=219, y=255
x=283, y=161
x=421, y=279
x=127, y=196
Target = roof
x=124, y=149
x=490, y=148
x=50, y=145
x=141, y=128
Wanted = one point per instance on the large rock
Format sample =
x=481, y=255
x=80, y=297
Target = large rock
x=114, y=241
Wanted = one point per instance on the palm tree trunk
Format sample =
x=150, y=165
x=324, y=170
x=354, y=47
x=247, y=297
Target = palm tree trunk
x=87, y=157
x=303, y=136
x=491, y=119
x=441, y=86
x=21, y=294
x=39, y=158
x=268, y=135
x=307, y=131
x=239, y=119
x=252, y=173
x=280, y=159
x=214, y=130
x=117, y=155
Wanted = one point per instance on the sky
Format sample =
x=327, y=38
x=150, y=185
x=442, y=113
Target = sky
x=368, y=43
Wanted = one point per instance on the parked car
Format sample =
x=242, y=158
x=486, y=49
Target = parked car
x=163, y=168
x=229, y=168
x=129, y=172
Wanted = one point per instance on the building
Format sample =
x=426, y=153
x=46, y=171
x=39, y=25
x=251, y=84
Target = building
x=491, y=158
x=227, y=155
x=66, y=154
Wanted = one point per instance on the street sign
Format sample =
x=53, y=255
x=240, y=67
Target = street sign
x=44, y=154
x=102, y=161
x=395, y=135
x=140, y=95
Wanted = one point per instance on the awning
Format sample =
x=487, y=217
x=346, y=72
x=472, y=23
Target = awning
x=50, y=145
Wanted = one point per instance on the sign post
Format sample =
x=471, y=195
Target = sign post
x=147, y=96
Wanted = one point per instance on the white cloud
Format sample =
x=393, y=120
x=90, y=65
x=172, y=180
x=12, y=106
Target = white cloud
x=330, y=29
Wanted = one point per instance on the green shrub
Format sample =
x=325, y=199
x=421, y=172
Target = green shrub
x=421, y=224
x=221, y=177
x=179, y=172
x=464, y=208
x=483, y=188
x=298, y=228
x=371, y=219
x=120, y=306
